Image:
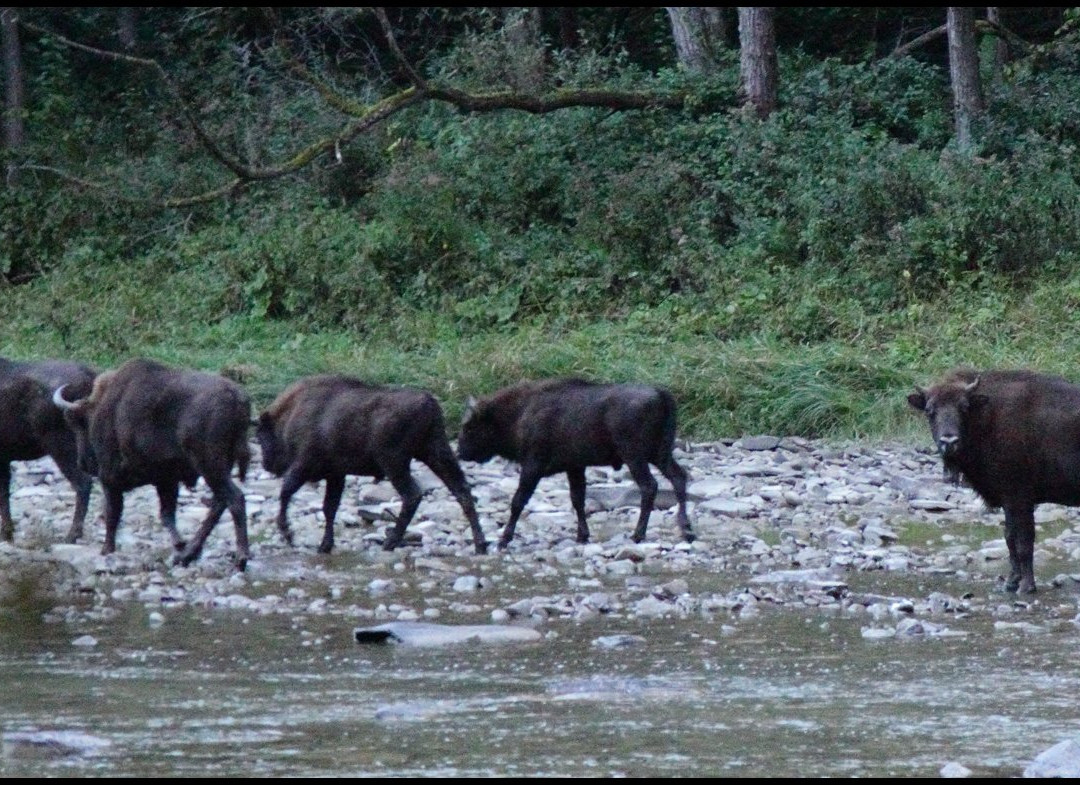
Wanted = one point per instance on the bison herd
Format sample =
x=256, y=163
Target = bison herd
x=1013, y=436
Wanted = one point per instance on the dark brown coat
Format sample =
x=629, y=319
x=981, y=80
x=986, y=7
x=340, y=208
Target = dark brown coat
x=328, y=427
x=565, y=425
x=1014, y=436
x=31, y=428
x=148, y=424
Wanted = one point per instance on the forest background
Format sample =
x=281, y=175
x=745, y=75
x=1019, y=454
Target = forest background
x=787, y=216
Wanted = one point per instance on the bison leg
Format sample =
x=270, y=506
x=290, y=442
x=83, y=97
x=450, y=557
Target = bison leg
x=406, y=486
x=67, y=460
x=290, y=484
x=335, y=486
x=7, y=526
x=577, y=499
x=676, y=475
x=167, y=494
x=1020, y=537
x=226, y=495
x=447, y=469
x=530, y=478
x=639, y=470
x=114, y=508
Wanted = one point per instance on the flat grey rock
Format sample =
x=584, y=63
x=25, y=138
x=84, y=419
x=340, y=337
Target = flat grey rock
x=426, y=634
x=617, y=641
x=1061, y=760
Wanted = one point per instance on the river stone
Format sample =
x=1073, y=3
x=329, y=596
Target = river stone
x=954, y=770
x=53, y=742
x=1061, y=760
x=427, y=634
x=820, y=578
x=932, y=505
x=730, y=507
x=617, y=641
x=87, y=641
x=758, y=443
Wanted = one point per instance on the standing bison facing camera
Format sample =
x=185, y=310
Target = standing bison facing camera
x=1015, y=438
x=327, y=427
x=565, y=425
x=148, y=424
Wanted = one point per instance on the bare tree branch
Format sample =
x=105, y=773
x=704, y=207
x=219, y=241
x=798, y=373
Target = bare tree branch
x=391, y=40
x=981, y=25
x=362, y=116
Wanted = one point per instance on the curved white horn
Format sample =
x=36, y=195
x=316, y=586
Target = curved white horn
x=971, y=387
x=58, y=398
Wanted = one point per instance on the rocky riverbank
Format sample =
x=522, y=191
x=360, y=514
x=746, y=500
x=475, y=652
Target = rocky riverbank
x=781, y=523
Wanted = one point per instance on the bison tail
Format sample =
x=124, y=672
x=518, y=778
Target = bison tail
x=243, y=457
x=668, y=425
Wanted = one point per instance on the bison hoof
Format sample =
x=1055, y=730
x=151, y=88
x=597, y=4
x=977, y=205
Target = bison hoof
x=179, y=546
x=324, y=547
x=390, y=543
x=8, y=535
x=689, y=536
x=71, y=538
x=481, y=548
x=503, y=544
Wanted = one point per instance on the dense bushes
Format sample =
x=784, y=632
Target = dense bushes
x=787, y=274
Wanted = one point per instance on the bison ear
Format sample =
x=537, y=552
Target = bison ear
x=918, y=399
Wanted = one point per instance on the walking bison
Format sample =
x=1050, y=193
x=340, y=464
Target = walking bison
x=148, y=424
x=328, y=427
x=565, y=425
x=1014, y=436
x=31, y=428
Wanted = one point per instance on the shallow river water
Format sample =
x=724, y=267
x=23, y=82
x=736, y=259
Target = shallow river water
x=790, y=693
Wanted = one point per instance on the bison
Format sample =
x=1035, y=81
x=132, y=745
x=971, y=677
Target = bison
x=31, y=428
x=565, y=425
x=149, y=424
x=327, y=427
x=1014, y=436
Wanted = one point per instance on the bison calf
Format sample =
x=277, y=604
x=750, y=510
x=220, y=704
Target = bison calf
x=1015, y=438
x=148, y=424
x=31, y=428
x=327, y=427
x=565, y=425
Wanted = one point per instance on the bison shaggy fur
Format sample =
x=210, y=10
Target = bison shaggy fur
x=31, y=428
x=149, y=424
x=1014, y=437
x=330, y=426
x=565, y=425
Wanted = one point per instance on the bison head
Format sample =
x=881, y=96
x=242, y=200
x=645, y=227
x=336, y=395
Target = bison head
x=77, y=416
x=946, y=407
x=480, y=438
x=273, y=458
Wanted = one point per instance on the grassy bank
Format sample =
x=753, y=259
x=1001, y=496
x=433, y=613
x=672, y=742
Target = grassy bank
x=763, y=380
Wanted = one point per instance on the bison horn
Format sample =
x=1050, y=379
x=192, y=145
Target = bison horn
x=971, y=387
x=58, y=398
x=470, y=409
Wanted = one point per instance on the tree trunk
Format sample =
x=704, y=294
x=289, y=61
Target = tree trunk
x=757, y=58
x=999, y=52
x=125, y=27
x=14, y=135
x=699, y=36
x=964, y=73
x=525, y=57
